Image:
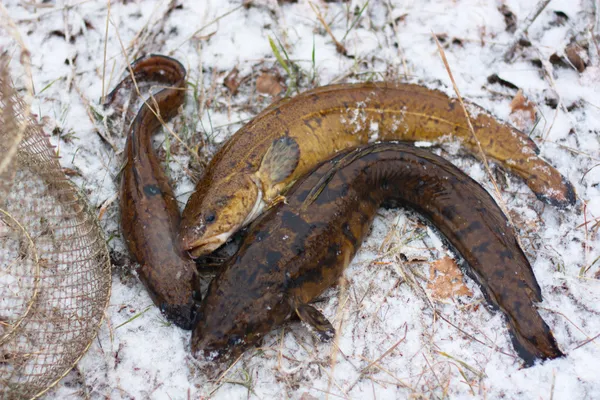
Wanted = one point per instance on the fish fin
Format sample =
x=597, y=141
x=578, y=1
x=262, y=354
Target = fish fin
x=278, y=199
x=316, y=320
x=532, y=338
x=280, y=160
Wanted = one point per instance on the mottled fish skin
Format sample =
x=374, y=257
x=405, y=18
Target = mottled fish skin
x=329, y=119
x=149, y=211
x=297, y=249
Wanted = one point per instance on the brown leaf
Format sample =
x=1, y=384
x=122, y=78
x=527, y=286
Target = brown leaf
x=71, y=172
x=494, y=78
x=510, y=19
x=88, y=25
x=232, y=81
x=268, y=83
x=522, y=112
x=446, y=280
x=573, y=52
x=307, y=396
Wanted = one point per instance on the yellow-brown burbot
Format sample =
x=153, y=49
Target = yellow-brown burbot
x=265, y=157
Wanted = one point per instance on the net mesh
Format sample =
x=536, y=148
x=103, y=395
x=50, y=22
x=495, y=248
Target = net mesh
x=54, y=266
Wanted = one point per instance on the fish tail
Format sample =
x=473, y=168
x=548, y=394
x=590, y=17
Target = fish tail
x=519, y=153
x=531, y=336
x=546, y=182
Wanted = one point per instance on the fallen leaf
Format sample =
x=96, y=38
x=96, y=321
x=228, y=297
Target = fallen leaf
x=307, y=396
x=494, y=78
x=510, y=19
x=268, y=83
x=232, y=81
x=522, y=113
x=560, y=19
x=530, y=225
x=88, y=25
x=446, y=280
x=70, y=172
x=573, y=52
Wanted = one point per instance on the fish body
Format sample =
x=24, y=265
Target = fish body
x=265, y=157
x=149, y=211
x=300, y=247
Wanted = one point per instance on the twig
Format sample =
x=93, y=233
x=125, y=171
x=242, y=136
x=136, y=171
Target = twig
x=476, y=139
x=144, y=33
x=521, y=33
x=400, y=49
x=106, y=204
x=572, y=150
x=71, y=77
x=586, y=172
x=493, y=347
x=214, y=21
x=552, y=385
x=595, y=30
x=332, y=380
x=327, y=393
x=52, y=8
x=105, y=45
x=36, y=5
x=336, y=340
x=572, y=323
x=433, y=371
x=473, y=370
x=387, y=352
x=154, y=110
x=338, y=46
x=549, y=72
x=280, y=350
x=88, y=107
x=586, y=248
x=220, y=378
x=587, y=341
x=596, y=17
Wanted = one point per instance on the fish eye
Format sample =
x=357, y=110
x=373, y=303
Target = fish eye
x=210, y=218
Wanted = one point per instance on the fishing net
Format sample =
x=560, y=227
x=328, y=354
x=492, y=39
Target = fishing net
x=54, y=265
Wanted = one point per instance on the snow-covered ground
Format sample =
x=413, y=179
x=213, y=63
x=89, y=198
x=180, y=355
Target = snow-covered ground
x=393, y=342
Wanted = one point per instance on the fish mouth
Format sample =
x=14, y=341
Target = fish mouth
x=206, y=246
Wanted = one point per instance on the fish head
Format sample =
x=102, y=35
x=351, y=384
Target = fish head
x=225, y=208
x=232, y=319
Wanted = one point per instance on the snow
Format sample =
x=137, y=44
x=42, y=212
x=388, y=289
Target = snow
x=460, y=350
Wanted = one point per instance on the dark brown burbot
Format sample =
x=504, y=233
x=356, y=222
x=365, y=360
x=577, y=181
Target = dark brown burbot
x=300, y=247
x=288, y=139
x=149, y=212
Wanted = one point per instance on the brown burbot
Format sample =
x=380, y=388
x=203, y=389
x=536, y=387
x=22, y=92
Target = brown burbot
x=300, y=247
x=149, y=212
